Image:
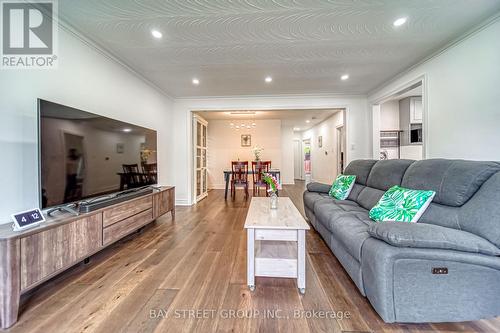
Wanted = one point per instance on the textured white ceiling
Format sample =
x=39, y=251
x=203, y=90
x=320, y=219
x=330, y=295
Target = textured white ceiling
x=305, y=45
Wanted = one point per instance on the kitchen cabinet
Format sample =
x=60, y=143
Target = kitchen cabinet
x=410, y=113
x=416, y=110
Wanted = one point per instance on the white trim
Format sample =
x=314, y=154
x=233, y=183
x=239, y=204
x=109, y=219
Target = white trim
x=243, y=97
x=423, y=79
x=182, y=202
x=191, y=197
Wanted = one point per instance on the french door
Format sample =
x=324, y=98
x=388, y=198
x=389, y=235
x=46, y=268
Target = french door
x=200, y=148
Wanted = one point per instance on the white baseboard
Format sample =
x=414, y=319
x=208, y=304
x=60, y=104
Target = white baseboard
x=182, y=202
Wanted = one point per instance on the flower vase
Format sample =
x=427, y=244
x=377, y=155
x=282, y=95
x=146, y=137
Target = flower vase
x=273, y=200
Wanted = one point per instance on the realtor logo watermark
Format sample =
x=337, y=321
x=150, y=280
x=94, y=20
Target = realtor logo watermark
x=29, y=34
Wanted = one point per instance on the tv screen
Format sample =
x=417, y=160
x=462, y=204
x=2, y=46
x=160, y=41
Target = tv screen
x=83, y=155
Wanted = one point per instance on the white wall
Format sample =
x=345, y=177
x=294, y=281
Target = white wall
x=358, y=135
x=87, y=80
x=324, y=160
x=462, y=103
x=224, y=146
x=389, y=116
x=287, y=157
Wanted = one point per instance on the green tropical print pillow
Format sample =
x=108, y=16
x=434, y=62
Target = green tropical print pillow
x=400, y=204
x=341, y=187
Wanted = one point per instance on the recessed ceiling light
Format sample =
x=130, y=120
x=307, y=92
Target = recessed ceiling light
x=126, y=130
x=308, y=121
x=400, y=21
x=254, y=124
x=156, y=34
x=268, y=79
x=296, y=128
x=232, y=124
x=344, y=77
x=196, y=81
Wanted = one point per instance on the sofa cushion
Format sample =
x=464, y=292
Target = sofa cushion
x=385, y=174
x=421, y=235
x=311, y=198
x=369, y=197
x=355, y=191
x=351, y=230
x=318, y=187
x=327, y=212
x=361, y=169
x=481, y=214
x=454, y=181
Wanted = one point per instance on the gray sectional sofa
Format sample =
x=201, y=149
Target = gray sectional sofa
x=444, y=268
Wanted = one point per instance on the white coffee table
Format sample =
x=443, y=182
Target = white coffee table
x=276, y=242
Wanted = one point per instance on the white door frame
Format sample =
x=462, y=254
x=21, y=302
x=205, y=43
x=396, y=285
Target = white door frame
x=375, y=112
x=191, y=180
x=301, y=157
x=340, y=140
x=195, y=119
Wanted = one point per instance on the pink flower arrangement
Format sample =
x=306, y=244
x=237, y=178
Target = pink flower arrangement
x=271, y=181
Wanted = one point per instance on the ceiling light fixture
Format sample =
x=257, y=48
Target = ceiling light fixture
x=268, y=79
x=127, y=130
x=156, y=34
x=400, y=21
x=308, y=121
x=296, y=128
x=196, y=81
x=344, y=77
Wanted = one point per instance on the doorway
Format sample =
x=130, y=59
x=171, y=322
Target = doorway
x=399, y=123
x=306, y=144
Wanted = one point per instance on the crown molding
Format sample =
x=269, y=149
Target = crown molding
x=64, y=25
x=456, y=41
x=271, y=96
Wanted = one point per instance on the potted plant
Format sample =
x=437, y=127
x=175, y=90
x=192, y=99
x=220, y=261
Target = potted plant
x=257, y=151
x=273, y=188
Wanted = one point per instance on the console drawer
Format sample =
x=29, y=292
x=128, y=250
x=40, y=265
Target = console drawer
x=125, y=210
x=122, y=228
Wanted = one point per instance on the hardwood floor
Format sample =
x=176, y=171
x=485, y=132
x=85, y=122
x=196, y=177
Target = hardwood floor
x=164, y=277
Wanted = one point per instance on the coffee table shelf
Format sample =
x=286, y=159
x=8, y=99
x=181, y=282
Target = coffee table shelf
x=275, y=241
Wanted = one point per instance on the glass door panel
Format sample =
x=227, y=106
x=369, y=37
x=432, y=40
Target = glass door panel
x=201, y=158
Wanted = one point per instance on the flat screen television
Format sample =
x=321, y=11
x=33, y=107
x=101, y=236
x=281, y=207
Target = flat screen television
x=85, y=155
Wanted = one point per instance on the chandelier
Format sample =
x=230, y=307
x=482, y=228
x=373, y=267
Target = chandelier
x=242, y=125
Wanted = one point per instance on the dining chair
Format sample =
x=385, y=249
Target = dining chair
x=133, y=177
x=239, y=177
x=150, y=171
x=258, y=167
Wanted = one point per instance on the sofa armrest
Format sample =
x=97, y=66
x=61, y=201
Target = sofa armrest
x=422, y=235
x=318, y=187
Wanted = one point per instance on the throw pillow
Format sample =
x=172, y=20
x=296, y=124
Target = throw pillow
x=341, y=187
x=400, y=204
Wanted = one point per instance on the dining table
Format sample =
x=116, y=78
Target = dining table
x=228, y=172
